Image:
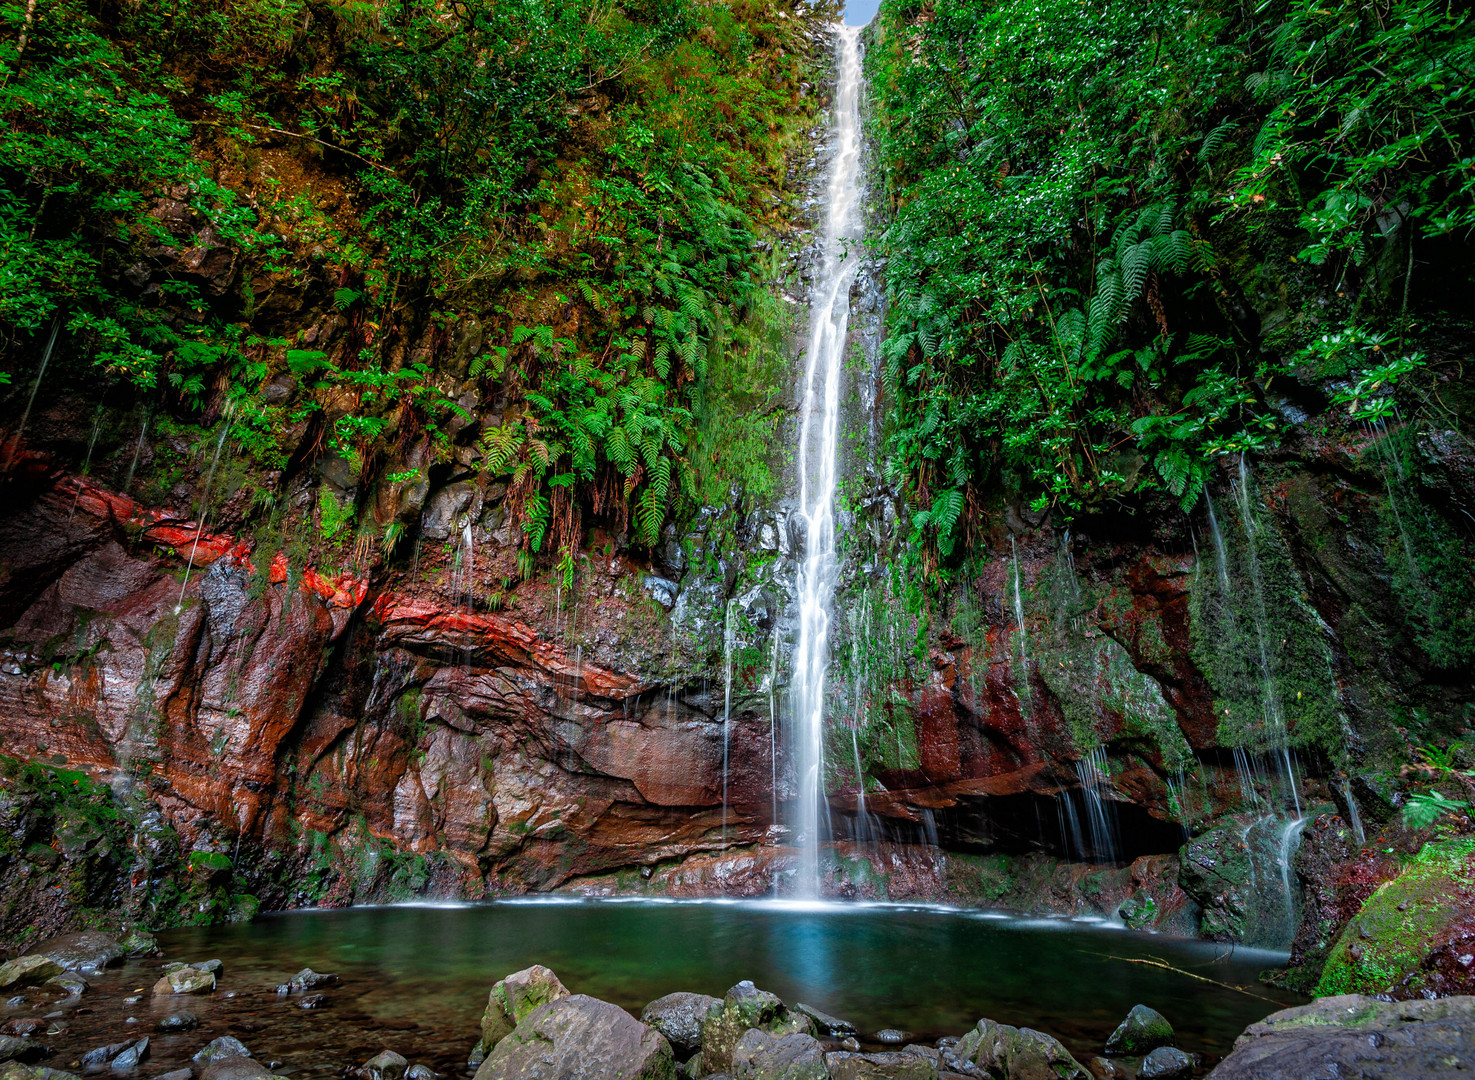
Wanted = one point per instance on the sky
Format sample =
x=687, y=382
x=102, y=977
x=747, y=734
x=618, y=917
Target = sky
x=860, y=12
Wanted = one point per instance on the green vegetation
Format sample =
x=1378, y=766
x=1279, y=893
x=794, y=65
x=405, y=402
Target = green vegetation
x=1120, y=229
x=550, y=206
x=1383, y=947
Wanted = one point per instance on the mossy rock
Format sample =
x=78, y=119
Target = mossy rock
x=1393, y=943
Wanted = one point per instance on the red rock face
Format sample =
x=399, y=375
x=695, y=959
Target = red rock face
x=281, y=705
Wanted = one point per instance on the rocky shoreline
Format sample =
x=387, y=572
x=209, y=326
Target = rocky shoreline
x=101, y=1004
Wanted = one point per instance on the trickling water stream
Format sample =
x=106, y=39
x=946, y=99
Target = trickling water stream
x=818, y=438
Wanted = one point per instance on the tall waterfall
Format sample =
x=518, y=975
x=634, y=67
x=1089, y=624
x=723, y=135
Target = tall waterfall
x=818, y=436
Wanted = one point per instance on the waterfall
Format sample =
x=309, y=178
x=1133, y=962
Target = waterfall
x=204, y=506
x=818, y=439
x=40, y=374
x=1100, y=815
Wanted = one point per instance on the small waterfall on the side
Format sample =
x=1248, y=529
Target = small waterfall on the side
x=818, y=444
x=729, y=637
x=1019, y=621
x=1100, y=814
x=204, y=508
x=30, y=401
x=143, y=429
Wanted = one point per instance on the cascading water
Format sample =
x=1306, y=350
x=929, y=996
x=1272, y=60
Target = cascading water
x=818, y=438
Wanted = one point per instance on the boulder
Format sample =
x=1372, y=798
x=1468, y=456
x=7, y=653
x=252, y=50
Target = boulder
x=1166, y=1063
x=1010, y=1053
x=99, y=1056
x=132, y=1057
x=227, y=1046
x=827, y=1024
x=1354, y=1035
x=30, y=970
x=385, y=1065
x=185, y=980
x=579, y=1038
x=760, y=1055
x=745, y=1007
x=887, y=1065
x=515, y=998
x=679, y=1017
x=138, y=943
x=14, y=1070
x=234, y=1068
x=308, y=979
x=68, y=982
x=1142, y=1031
x=89, y=952
x=17, y=1049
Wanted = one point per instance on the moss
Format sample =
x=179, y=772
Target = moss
x=1259, y=643
x=1382, y=948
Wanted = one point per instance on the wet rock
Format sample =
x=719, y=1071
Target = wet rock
x=234, y=1068
x=1413, y=936
x=1104, y=1069
x=44, y=1073
x=892, y=1036
x=185, y=980
x=421, y=1072
x=679, y=1017
x=14, y=1070
x=98, y=1057
x=1143, y=1030
x=827, y=1024
x=1166, y=1063
x=68, y=983
x=130, y=1058
x=1355, y=1035
x=385, y=1065
x=89, y=952
x=745, y=1007
x=30, y=970
x=214, y=967
x=515, y=998
x=759, y=1055
x=180, y=1021
x=312, y=1001
x=22, y=1026
x=1011, y=1053
x=662, y=590
x=443, y=508
x=308, y=979
x=16, y=1049
x=579, y=1036
x=227, y=1046
x=177, y=1074
x=887, y=1065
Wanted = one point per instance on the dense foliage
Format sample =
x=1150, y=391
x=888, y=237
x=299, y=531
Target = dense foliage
x=526, y=227
x=1122, y=231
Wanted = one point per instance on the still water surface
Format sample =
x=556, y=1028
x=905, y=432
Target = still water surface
x=425, y=971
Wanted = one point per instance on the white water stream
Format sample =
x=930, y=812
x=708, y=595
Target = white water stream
x=818, y=438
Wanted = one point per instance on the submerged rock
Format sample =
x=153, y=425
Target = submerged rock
x=1166, y=1063
x=227, y=1046
x=180, y=1021
x=580, y=1036
x=679, y=1017
x=385, y=1065
x=68, y=982
x=1355, y=1035
x=515, y=998
x=185, y=980
x=308, y=979
x=745, y=1007
x=1011, y=1053
x=1143, y=1030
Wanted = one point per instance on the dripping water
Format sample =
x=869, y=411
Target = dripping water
x=35, y=386
x=204, y=507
